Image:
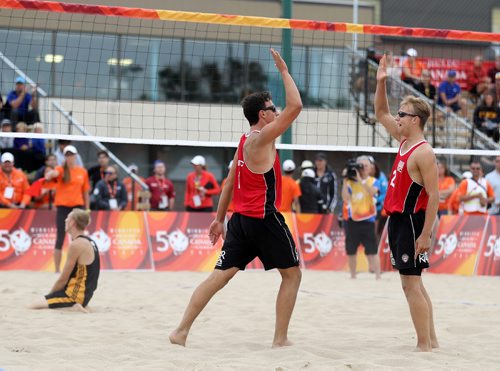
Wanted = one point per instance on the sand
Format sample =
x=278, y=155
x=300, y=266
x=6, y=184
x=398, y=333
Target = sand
x=338, y=323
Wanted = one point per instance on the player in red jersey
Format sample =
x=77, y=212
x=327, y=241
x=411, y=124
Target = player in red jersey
x=411, y=202
x=256, y=229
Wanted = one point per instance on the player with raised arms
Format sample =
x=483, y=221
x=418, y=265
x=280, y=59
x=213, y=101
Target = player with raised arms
x=256, y=229
x=411, y=202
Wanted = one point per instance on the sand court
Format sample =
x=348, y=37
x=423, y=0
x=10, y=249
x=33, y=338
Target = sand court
x=338, y=323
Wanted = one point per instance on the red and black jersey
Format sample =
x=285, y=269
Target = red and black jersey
x=403, y=194
x=256, y=195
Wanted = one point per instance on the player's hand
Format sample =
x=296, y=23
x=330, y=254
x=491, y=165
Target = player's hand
x=483, y=200
x=382, y=69
x=215, y=231
x=422, y=245
x=278, y=61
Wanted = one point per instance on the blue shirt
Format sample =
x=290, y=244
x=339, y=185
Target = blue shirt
x=38, y=145
x=449, y=90
x=24, y=106
x=381, y=184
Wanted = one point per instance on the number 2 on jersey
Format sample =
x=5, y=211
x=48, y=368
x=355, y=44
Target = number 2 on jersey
x=393, y=179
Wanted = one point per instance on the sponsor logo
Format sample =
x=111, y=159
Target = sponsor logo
x=102, y=240
x=423, y=258
x=176, y=240
x=320, y=242
x=393, y=261
x=20, y=240
x=221, y=258
x=405, y=258
x=492, y=247
x=400, y=167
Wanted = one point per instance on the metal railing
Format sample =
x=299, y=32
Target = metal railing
x=72, y=122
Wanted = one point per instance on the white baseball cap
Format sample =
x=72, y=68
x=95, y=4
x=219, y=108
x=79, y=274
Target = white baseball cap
x=198, y=160
x=465, y=175
x=288, y=165
x=7, y=157
x=230, y=165
x=412, y=52
x=306, y=164
x=70, y=149
x=308, y=173
x=133, y=167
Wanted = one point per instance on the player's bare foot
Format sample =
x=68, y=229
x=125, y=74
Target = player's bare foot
x=78, y=308
x=284, y=343
x=178, y=337
x=434, y=344
x=423, y=348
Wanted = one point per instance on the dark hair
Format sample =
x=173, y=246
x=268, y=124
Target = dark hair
x=102, y=152
x=64, y=141
x=445, y=165
x=253, y=103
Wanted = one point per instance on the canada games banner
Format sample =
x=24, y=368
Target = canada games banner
x=458, y=240
x=489, y=256
x=180, y=241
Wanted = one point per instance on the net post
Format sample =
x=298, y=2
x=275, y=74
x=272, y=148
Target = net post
x=286, y=46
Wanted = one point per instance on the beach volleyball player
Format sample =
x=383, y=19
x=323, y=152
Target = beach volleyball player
x=256, y=229
x=78, y=280
x=411, y=202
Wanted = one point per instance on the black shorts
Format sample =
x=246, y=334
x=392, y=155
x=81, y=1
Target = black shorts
x=248, y=238
x=362, y=232
x=60, y=299
x=403, y=230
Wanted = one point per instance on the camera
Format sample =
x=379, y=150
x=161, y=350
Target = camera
x=351, y=167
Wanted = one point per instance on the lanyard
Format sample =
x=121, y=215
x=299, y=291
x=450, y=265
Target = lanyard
x=112, y=191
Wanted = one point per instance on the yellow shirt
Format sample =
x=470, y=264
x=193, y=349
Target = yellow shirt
x=362, y=204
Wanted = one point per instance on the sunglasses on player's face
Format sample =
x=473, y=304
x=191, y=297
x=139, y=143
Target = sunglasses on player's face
x=404, y=114
x=270, y=108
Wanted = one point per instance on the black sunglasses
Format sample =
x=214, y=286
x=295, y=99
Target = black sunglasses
x=270, y=108
x=109, y=172
x=403, y=114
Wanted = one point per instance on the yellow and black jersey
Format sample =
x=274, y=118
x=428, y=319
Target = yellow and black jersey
x=81, y=284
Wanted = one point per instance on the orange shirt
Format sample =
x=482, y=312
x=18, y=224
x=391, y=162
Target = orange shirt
x=445, y=184
x=231, y=206
x=18, y=181
x=127, y=182
x=454, y=202
x=36, y=189
x=71, y=194
x=415, y=68
x=193, y=196
x=290, y=189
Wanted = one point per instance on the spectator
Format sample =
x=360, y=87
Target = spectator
x=478, y=81
x=161, y=188
x=38, y=144
x=494, y=179
x=20, y=102
x=446, y=187
x=96, y=173
x=59, y=153
x=110, y=193
x=50, y=161
x=412, y=69
x=381, y=185
x=450, y=94
x=231, y=204
x=133, y=189
x=495, y=89
x=290, y=189
x=326, y=181
x=21, y=144
x=454, y=204
x=13, y=184
x=359, y=193
x=6, y=142
x=72, y=191
x=476, y=192
x=311, y=200
x=426, y=87
x=306, y=164
x=42, y=191
x=201, y=185
x=495, y=69
x=487, y=117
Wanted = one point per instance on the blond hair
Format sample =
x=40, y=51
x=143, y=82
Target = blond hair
x=38, y=125
x=22, y=127
x=81, y=218
x=420, y=108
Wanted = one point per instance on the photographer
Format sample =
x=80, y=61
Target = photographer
x=359, y=192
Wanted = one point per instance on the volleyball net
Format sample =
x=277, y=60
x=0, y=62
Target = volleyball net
x=128, y=75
